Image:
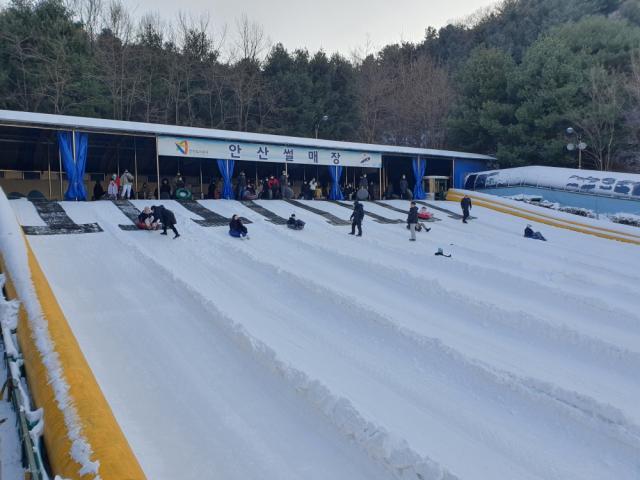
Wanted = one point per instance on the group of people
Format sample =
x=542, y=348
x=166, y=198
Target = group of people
x=119, y=187
x=158, y=216
x=155, y=217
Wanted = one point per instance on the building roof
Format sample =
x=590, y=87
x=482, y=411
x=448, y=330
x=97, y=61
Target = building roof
x=45, y=120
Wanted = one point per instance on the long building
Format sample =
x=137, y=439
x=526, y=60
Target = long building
x=56, y=156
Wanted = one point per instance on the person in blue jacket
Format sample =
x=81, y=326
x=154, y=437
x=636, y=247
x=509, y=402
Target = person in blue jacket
x=237, y=229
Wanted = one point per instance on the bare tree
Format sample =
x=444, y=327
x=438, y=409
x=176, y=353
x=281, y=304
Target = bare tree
x=601, y=116
x=113, y=55
x=245, y=80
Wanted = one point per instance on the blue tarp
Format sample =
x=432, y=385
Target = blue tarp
x=419, y=167
x=336, y=191
x=74, y=167
x=226, y=170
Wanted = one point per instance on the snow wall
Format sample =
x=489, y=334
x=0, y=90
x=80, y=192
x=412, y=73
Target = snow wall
x=82, y=437
x=594, y=182
x=505, y=206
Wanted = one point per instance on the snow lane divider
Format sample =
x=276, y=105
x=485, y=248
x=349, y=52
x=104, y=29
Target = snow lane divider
x=610, y=234
x=110, y=450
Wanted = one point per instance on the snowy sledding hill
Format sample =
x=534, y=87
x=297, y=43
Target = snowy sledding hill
x=318, y=355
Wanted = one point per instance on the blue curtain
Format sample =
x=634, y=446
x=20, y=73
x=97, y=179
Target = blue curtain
x=82, y=145
x=336, y=191
x=226, y=170
x=74, y=167
x=419, y=167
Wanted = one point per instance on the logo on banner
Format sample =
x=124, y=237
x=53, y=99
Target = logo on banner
x=365, y=158
x=183, y=147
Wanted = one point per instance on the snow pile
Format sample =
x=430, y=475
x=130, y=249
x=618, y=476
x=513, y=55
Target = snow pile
x=617, y=184
x=14, y=252
x=625, y=219
x=541, y=202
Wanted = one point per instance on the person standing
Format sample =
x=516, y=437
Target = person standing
x=412, y=220
x=465, y=203
x=356, y=218
x=166, y=218
x=112, y=188
x=125, y=182
x=404, y=186
x=98, y=191
x=284, y=184
x=242, y=185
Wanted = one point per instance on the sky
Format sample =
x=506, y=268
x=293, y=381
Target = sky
x=333, y=25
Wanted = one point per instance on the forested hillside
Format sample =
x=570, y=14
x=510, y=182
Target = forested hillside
x=506, y=81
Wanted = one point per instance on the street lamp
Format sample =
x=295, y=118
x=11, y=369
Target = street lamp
x=577, y=145
x=324, y=118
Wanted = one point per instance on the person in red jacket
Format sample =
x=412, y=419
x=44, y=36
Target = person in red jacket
x=274, y=186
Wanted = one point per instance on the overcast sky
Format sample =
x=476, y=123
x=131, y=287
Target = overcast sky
x=334, y=25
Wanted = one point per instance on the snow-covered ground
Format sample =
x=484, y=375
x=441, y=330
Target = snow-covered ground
x=319, y=355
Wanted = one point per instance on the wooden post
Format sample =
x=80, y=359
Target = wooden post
x=60, y=173
x=380, y=183
x=201, y=182
x=135, y=166
x=158, y=167
x=49, y=171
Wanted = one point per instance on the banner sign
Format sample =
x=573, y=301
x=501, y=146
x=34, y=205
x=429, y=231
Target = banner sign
x=264, y=152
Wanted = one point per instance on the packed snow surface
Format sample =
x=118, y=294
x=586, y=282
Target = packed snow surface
x=319, y=355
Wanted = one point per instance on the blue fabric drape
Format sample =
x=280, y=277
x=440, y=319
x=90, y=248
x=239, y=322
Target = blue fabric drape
x=419, y=167
x=74, y=167
x=336, y=191
x=82, y=145
x=226, y=170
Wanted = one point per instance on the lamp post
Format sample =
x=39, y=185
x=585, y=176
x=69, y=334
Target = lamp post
x=324, y=118
x=577, y=145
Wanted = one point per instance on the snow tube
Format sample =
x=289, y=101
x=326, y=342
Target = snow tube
x=237, y=234
x=425, y=216
x=183, y=194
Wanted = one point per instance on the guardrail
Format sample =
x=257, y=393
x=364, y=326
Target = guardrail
x=29, y=423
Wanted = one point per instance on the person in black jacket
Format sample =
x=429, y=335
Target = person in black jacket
x=237, y=229
x=166, y=218
x=465, y=203
x=529, y=233
x=98, y=191
x=294, y=223
x=412, y=220
x=356, y=218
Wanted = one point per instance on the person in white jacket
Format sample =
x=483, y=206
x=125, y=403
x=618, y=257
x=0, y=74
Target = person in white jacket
x=125, y=182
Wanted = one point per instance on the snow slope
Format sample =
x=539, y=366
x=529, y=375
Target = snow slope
x=322, y=355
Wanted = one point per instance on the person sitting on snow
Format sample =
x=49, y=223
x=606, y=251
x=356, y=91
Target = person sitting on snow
x=424, y=214
x=529, y=233
x=237, y=229
x=294, y=223
x=145, y=220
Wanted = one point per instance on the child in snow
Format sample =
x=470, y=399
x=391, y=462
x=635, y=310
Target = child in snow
x=295, y=224
x=424, y=214
x=145, y=220
x=529, y=233
x=237, y=229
